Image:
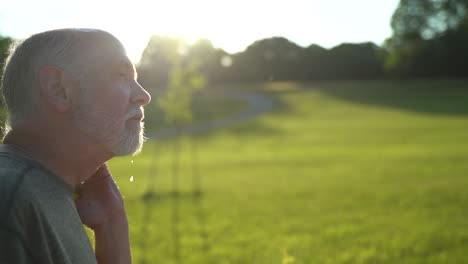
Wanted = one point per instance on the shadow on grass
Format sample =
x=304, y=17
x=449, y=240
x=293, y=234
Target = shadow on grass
x=150, y=201
x=444, y=97
x=148, y=215
x=175, y=198
x=160, y=196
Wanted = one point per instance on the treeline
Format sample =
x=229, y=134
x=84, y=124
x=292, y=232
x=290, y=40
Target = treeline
x=429, y=40
x=268, y=59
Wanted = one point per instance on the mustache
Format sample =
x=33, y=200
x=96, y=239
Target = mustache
x=136, y=113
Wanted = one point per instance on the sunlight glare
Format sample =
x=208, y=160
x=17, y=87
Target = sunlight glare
x=185, y=20
x=226, y=61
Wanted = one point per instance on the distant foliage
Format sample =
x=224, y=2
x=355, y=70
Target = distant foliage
x=177, y=101
x=269, y=59
x=430, y=39
x=5, y=43
x=157, y=61
x=171, y=71
x=164, y=55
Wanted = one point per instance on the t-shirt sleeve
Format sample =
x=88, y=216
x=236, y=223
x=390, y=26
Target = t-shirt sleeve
x=12, y=248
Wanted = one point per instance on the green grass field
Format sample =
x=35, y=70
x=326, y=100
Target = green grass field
x=345, y=172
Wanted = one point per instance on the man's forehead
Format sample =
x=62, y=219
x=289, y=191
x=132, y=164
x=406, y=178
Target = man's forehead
x=108, y=57
x=124, y=62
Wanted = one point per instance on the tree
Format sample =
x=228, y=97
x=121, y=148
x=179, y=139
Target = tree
x=429, y=39
x=269, y=59
x=426, y=19
x=157, y=60
x=209, y=61
x=313, y=59
x=354, y=61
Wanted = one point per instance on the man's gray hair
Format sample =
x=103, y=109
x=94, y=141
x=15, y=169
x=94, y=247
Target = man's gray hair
x=73, y=50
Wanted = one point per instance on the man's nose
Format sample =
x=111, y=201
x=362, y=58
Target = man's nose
x=140, y=95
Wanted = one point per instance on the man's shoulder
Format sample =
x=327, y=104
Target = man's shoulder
x=22, y=175
x=22, y=187
x=10, y=162
x=13, y=169
x=37, y=213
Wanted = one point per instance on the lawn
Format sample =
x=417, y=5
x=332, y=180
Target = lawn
x=338, y=172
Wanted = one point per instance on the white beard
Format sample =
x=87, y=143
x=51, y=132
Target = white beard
x=130, y=143
x=109, y=129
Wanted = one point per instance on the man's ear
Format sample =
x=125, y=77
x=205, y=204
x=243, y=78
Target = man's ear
x=55, y=88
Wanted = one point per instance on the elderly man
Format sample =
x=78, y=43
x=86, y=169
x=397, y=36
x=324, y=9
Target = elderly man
x=73, y=103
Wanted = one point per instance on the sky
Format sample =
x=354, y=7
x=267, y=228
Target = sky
x=230, y=25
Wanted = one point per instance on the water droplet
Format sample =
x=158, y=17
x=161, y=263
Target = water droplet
x=131, y=178
x=131, y=161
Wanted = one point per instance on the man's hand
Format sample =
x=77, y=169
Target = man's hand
x=99, y=200
x=101, y=208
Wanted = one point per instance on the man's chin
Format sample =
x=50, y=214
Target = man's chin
x=128, y=151
x=130, y=146
x=137, y=150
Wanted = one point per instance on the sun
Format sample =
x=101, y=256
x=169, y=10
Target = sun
x=186, y=20
x=135, y=23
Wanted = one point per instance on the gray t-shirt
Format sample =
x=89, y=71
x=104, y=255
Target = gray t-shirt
x=39, y=222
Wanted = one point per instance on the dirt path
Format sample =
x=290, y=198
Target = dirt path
x=257, y=104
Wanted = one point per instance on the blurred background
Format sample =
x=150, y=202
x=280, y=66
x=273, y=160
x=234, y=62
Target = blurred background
x=294, y=131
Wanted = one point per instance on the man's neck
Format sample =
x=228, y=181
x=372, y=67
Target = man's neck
x=69, y=155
